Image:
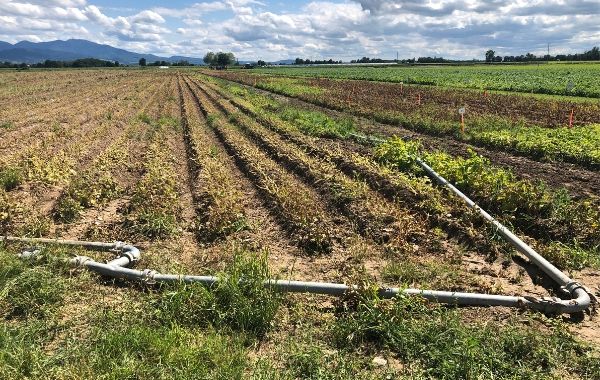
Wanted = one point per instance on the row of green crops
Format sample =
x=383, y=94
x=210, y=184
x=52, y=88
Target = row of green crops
x=579, y=145
x=558, y=79
x=533, y=207
x=549, y=215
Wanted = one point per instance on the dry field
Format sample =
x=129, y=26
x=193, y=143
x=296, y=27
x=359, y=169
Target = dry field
x=226, y=176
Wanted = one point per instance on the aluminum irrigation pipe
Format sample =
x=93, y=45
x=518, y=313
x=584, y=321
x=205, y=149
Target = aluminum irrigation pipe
x=574, y=288
x=118, y=268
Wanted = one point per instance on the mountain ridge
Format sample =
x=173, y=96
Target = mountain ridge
x=71, y=49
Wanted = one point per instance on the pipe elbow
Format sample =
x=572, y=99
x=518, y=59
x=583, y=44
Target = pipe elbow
x=581, y=300
x=131, y=252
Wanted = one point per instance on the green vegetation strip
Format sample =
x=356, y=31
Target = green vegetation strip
x=534, y=208
x=533, y=78
x=53, y=324
x=579, y=145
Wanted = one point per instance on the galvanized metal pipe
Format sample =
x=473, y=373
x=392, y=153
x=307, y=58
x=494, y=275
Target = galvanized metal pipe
x=129, y=254
x=558, y=276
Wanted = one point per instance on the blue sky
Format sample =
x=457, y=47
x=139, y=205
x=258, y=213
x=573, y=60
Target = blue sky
x=338, y=29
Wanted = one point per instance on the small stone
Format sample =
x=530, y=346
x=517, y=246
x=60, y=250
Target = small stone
x=379, y=361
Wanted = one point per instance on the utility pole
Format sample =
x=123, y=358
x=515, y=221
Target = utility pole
x=396, y=56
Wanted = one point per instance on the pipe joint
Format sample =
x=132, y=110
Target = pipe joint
x=148, y=276
x=80, y=261
x=129, y=251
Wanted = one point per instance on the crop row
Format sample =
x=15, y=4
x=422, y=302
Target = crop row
x=217, y=196
x=296, y=204
x=154, y=209
x=580, y=145
x=375, y=217
x=542, y=79
x=533, y=208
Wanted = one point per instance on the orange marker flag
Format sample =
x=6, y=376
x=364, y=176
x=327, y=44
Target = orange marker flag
x=571, y=118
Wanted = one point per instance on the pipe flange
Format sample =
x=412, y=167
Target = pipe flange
x=118, y=246
x=80, y=261
x=148, y=276
x=30, y=253
x=572, y=286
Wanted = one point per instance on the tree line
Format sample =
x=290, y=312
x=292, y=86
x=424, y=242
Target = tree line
x=300, y=61
x=143, y=62
x=220, y=59
x=589, y=55
x=83, y=62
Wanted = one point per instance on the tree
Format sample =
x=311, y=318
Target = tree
x=489, y=55
x=219, y=59
x=225, y=59
x=209, y=58
x=142, y=62
x=261, y=63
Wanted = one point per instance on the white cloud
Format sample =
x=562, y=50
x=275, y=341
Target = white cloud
x=321, y=29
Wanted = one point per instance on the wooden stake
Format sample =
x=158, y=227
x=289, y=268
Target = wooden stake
x=462, y=123
x=571, y=118
x=419, y=99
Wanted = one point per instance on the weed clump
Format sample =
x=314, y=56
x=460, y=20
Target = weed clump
x=6, y=125
x=89, y=190
x=435, y=338
x=27, y=292
x=10, y=178
x=7, y=210
x=238, y=301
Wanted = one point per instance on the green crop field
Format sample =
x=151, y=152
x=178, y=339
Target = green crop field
x=560, y=79
x=247, y=180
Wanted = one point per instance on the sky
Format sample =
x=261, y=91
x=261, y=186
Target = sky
x=344, y=29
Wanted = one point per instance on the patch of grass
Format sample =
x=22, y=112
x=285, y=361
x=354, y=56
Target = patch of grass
x=6, y=125
x=144, y=118
x=22, y=353
x=446, y=348
x=130, y=350
x=117, y=346
x=168, y=121
x=10, y=178
x=428, y=275
x=317, y=123
x=239, y=301
x=26, y=291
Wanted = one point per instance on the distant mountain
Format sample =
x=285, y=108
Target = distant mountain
x=19, y=55
x=33, y=52
x=5, y=45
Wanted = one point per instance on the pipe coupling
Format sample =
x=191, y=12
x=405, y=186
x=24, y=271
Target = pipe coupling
x=80, y=261
x=148, y=276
